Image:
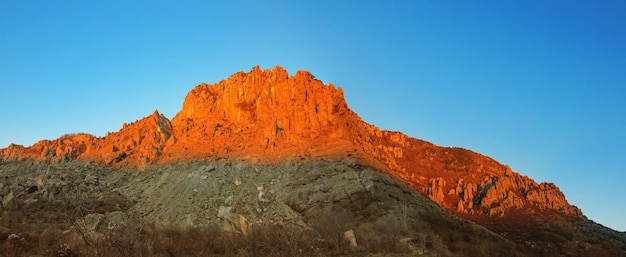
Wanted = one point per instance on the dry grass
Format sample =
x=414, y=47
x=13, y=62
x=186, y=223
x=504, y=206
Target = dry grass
x=44, y=229
x=271, y=240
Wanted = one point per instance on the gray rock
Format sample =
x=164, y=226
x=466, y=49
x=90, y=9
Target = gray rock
x=91, y=222
x=223, y=211
x=228, y=200
x=209, y=168
x=187, y=222
x=8, y=200
x=116, y=219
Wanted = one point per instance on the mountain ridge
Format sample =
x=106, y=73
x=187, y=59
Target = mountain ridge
x=268, y=121
x=268, y=116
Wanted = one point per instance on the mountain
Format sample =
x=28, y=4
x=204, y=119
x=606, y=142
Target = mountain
x=269, y=117
x=266, y=118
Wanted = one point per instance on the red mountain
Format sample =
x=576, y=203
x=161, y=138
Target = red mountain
x=268, y=116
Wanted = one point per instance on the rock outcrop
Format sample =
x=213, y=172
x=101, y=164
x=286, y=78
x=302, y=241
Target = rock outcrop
x=135, y=144
x=261, y=115
x=268, y=116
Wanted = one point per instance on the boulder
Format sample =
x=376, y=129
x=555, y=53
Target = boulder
x=349, y=236
x=90, y=222
x=235, y=223
x=223, y=211
x=187, y=222
x=7, y=200
x=116, y=219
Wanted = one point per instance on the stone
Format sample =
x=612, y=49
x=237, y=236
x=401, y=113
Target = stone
x=14, y=237
x=29, y=202
x=40, y=183
x=91, y=221
x=116, y=219
x=7, y=200
x=349, y=236
x=261, y=195
x=435, y=190
x=187, y=222
x=223, y=211
x=94, y=237
x=460, y=207
x=235, y=223
x=209, y=168
x=228, y=200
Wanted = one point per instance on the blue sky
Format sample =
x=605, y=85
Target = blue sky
x=538, y=86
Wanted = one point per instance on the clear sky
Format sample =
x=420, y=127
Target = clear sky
x=537, y=85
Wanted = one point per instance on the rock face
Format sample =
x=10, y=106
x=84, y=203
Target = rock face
x=268, y=116
x=136, y=144
x=262, y=115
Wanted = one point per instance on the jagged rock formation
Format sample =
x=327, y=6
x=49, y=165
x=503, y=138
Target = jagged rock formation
x=136, y=144
x=269, y=117
x=262, y=115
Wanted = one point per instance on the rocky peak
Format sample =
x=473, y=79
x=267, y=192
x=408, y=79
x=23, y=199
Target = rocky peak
x=268, y=113
x=264, y=96
x=136, y=144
